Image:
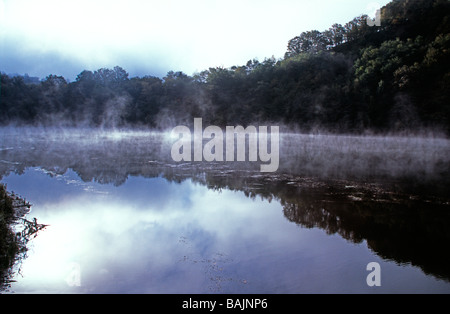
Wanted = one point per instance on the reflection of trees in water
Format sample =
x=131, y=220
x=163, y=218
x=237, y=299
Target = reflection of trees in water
x=405, y=232
x=13, y=244
x=406, y=221
x=396, y=226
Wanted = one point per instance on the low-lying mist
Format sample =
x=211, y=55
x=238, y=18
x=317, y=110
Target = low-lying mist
x=323, y=156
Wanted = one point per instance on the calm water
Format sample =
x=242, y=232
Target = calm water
x=123, y=218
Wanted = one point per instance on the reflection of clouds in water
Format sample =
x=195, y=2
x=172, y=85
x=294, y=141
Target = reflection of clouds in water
x=121, y=246
x=102, y=238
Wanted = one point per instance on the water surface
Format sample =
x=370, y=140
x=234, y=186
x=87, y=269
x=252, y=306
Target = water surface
x=123, y=218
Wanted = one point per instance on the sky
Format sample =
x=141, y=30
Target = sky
x=147, y=37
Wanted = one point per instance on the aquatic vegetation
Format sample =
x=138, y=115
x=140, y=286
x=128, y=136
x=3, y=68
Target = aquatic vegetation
x=13, y=244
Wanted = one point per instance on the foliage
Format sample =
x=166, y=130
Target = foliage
x=13, y=246
x=8, y=245
x=348, y=78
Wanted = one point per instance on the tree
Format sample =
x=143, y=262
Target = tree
x=85, y=76
x=146, y=94
x=311, y=42
x=357, y=28
x=111, y=78
x=54, y=82
x=335, y=35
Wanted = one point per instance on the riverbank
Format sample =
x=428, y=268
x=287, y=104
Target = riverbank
x=9, y=248
x=15, y=232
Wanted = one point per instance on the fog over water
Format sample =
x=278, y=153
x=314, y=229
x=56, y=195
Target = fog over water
x=423, y=158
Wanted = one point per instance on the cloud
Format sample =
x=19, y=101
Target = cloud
x=154, y=37
x=19, y=59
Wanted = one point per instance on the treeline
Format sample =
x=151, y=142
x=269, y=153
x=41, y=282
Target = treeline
x=349, y=78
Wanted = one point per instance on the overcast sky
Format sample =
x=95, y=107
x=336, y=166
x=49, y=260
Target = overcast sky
x=147, y=37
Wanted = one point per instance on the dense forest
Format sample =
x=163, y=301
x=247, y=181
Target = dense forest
x=350, y=78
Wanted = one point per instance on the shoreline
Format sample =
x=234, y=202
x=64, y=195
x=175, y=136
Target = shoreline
x=13, y=240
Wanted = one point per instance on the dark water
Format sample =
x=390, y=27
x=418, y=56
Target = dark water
x=124, y=218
